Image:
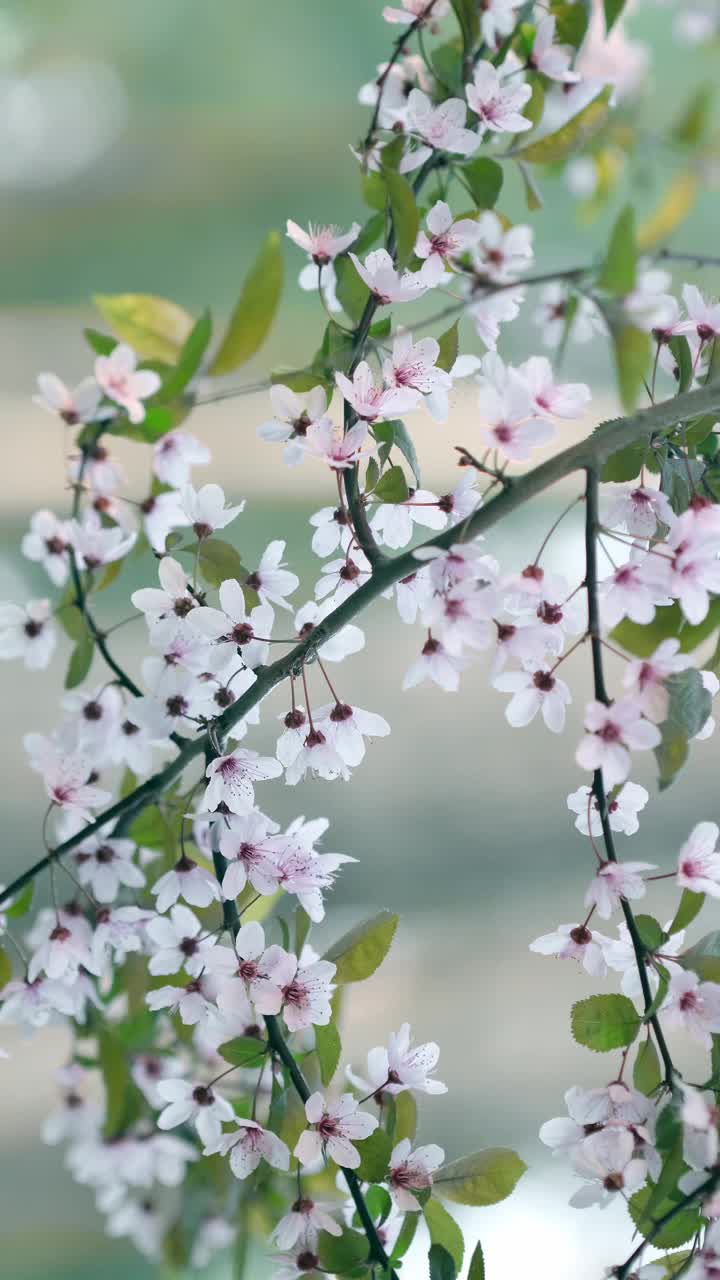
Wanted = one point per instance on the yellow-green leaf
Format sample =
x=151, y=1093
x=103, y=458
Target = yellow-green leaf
x=556, y=146
x=6, y=969
x=253, y=316
x=483, y=1178
x=674, y=207
x=360, y=952
x=618, y=273
x=633, y=349
x=154, y=327
x=607, y=1022
x=444, y=1231
x=405, y=216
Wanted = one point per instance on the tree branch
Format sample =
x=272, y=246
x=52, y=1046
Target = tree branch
x=598, y=785
x=588, y=453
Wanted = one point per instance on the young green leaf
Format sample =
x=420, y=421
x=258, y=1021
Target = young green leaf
x=80, y=659
x=253, y=316
x=342, y=1254
x=607, y=1022
x=632, y=348
x=476, y=1270
x=619, y=272
x=444, y=1231
x=693, y=123
x=643, y=640
x=448, y=343
x=218, y=560
x=154, y=327
x=646, y=1071
x=392, y=486
x=6, y=968
x=243, y=1051
x=483, y=1178
x=375, y=1153
x=559, y=144
x=485, y=179
x=361, y=951
x=20, y=905
x=405, y=217
x=613, y=9
x=352, y=292
x=441, y=1264
x=189, y=360
x=704, y=957
x=328, y=1048
x=689, y=907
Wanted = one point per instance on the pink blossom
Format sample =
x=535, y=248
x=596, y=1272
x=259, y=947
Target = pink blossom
x=412, y=1171
x=340, y=451
x=498, y=106
x=553, y=60
x=699, y=861
x=575, y=942
x=333, y=1129
x=612, y=733
x=616, y=880
x=645, y=678
x=247, y=1145
x=119, y=378
x=174, y=456
x=441, y=127
x=443, y=239
x=385, y=283
x=639, y=510
x=231, y=780
x=323, y=244
x=533, y=691
x=74, y=407
x=623, y=807
x=693, y=1006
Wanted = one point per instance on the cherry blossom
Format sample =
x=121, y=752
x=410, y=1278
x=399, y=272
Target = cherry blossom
x=293, y=414
x=340, y=578
x=118, y=931
x=177, y=943
x=498, y=106
x=373, y=403
x=699, y=1114
x=533, y=691
x=246, y=849
x=414, y=365
x=197, y=1104
x=305, y=1220
x=403, y=1066
x=687, y=567
x=497, y=20
x=442, y=127
x=511, y=429
x=705, y=316
x=444, y=238
x=68, y=777
x=693, y=1006
x=552, y=60
x=272, y=581
x=623, y=807
x=421, y=10
x=338, y=450
x=194, y=1002
x=28, y=633
x=333, y=1129
x=105, y=863
x=346, y=727
x=412, y=1171
x=119, y=378
x=575, y=942
x=323, y=244
x=302, y=871
x=247, y=1145
x=47, y=544
x=231, y=780
x=251, y=969
x=79, y=405
x=234, y=626
x=699, y=861
x=607, y=1160
x=639, y=511
x=392, y=86
x=627, y=593
x=553, y=316
x=645, y=678
x=205, y=509
x=62, y=945
x=563, y=400
x=393, y=523
x=174, y=456
x=186, y=880
x=305, y=989
x=611, y=734
x=616, y=880
x=500, y=255
x=95, y=545
x=437, y=665
x=385, y=284
x=620, y=956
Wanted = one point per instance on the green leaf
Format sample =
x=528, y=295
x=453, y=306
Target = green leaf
x=123, y=1100
x=619, y=272
x=154, y=327
x=80, y=659
x=243, y=1051
x=448, y=343
x=625, y=464
x=149, y=829
x=328, y=1048
x=375, y=1153
x=395, y=433
x=342, y=1254
x=646, y=1071
x=703, y=958
x=6, y=968
x=678, y=1231
x=441, y=1263
x=101, y=343
x=483, y=1178
x=680, y=348
x=605, y=1022
x=352, y=292
x=392, y=486
x=447, y=65
x=533, y=198
x=405, y=216
x=613, y=9
x=571, y=22
x=690, y=906
x=379, y=1205
x=218, y=561
x=405, y=1238
x=476, y=1270
x=20, y=905
x=485, y=179
x=556, y=146
x=689, y=708
x=444, y=1231
x=361, y=951
x=692, y=125
x=468, y=16
x=190, y=358
x=158, y=420
x=651, y=935
x=405, y=1116
x=632, y=350
x=253, y=316
x=642, y=641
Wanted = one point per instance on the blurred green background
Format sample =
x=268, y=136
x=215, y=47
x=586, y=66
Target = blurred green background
x=149, y=147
